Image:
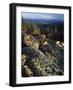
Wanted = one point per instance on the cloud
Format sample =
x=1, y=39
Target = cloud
x=47, y=17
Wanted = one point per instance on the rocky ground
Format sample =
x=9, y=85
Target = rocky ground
x=41, y=56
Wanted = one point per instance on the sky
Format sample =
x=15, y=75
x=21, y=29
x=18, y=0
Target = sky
x=42, y=16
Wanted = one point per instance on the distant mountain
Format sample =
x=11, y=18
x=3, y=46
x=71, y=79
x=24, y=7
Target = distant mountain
x=50, y=22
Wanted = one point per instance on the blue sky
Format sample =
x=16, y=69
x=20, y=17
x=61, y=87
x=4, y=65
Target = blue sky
x=42, y=16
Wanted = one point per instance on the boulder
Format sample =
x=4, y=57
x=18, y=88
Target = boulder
x=26, y=71
x=30, y=41
x=55, y=51
x=23, y=59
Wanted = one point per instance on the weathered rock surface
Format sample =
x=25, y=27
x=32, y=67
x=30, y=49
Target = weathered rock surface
x=56, y=51
x=40, y=64
x=26, y=71
x=30, y=41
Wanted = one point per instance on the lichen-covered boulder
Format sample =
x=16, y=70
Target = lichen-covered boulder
x=26, y=71
x=56, y=51
x=30, y=41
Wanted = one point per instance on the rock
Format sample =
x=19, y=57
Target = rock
x=40, y=64
x=23, y=59
x=26, y=71
x=55, y=51
x=49, y=69
x=30, y=41
x=44, y=73
x=45, y=43
x=40, y=37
